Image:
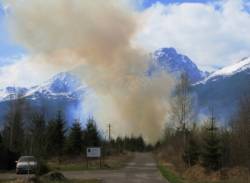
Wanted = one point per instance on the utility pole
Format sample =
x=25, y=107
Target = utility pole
x=109, y=126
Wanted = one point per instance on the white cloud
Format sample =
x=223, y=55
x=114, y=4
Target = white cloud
x=214, y=34
x=27, y=71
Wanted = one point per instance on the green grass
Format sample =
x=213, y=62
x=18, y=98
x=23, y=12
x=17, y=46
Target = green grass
x=169, y=175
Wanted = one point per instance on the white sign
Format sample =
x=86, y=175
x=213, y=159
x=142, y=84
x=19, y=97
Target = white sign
x=93, y=152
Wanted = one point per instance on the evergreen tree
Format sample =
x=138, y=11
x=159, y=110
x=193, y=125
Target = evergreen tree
x=1, y=140
x=226, y=140
x=119, y=144
x=56, y=135
x=140, y=144
x=192, y=150
x=13, y=133
x=38, y=135
x=91, y=134
x=211, y=154
x=74, y=141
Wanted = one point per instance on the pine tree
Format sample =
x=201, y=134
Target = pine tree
x=211, y=154
x=91, y=134
x=56, y=136
x=119, y=144
x=74, y=141
x=140, y=144
x=1, y=140
x=38, y=135
x=13, y=133
x=192, y=150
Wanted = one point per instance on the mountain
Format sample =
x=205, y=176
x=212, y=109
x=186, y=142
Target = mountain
x=220, y=90
x=223, y=89
x=62, y=92
x=10, y=93
x=63, y=85
x=169, y=60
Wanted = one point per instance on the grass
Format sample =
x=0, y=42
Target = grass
x=169, y=175
x=67, y=167
x=112, y=162
x=222, y=181
x=173, y=178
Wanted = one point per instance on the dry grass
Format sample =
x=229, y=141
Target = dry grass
x=171, y=163
x=80, y=163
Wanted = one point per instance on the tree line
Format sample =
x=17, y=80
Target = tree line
x=206, y=143
x=27, y=132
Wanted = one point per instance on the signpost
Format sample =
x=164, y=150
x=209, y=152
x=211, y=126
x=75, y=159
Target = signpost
x=93, y=153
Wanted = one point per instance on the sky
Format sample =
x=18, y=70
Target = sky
x=213, y=33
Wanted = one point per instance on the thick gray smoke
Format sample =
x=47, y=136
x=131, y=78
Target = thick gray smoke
x=96, y=34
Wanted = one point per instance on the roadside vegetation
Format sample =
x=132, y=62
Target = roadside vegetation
x=191, y=151
x=58, y=144
x=203, y=151
x=169, y=175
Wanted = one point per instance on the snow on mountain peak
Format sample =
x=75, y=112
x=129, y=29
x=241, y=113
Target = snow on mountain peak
x=234, y=68
x=63, y=84
x=230, y=70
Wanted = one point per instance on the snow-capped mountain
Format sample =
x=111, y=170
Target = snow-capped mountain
x=173, y=62
x=241, y=66
x=224, y=88
x=220, y=90
x=61, y=85
x=68, y=86
x=62, y=92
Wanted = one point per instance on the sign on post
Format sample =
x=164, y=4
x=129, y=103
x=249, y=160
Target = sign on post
x=93, y=152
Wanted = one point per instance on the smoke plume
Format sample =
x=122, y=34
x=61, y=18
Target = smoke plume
x=95, y=36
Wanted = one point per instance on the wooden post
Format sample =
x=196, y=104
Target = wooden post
x=87, y=163
x=101, y=158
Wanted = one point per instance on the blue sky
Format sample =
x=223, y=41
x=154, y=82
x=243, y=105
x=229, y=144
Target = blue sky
x=8, y=49
x=148, y=3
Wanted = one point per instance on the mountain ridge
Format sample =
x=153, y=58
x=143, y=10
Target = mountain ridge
x=227, y=71
x=64, y=91
x=170, y=60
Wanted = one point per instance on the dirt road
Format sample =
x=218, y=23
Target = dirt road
x=142, y=169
